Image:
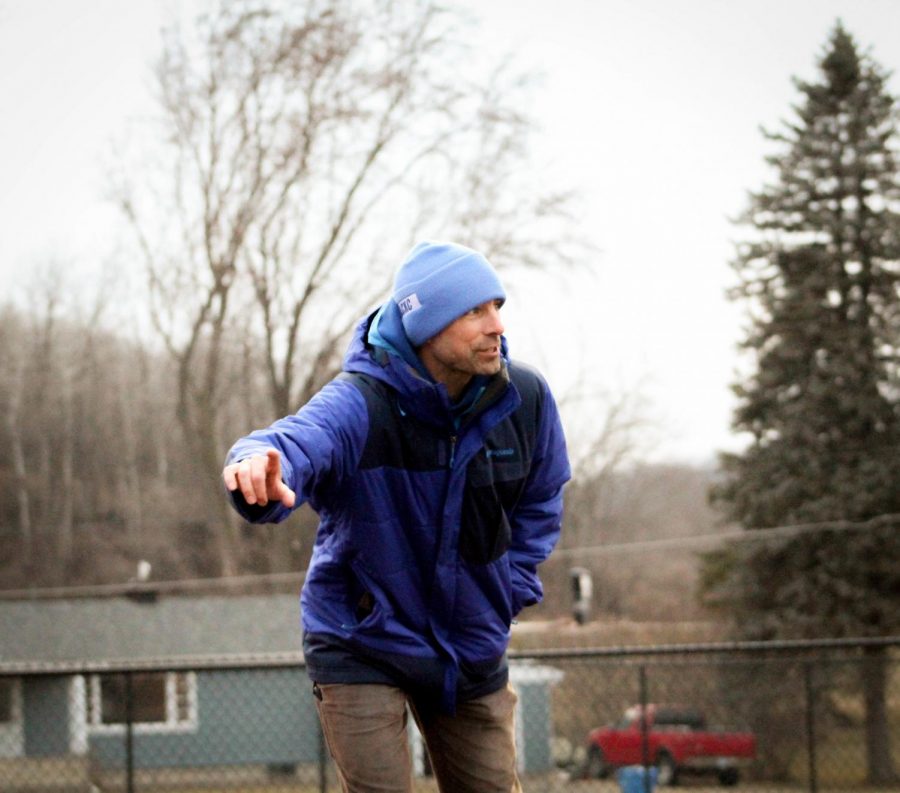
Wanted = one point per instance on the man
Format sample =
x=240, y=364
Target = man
x=436, y=466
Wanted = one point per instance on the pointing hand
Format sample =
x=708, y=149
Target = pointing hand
x=259, y=479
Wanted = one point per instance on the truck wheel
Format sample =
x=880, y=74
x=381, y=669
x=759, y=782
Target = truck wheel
x=596, y=767
x=728, y=777
x=667, y=773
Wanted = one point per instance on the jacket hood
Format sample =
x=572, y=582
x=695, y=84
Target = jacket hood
x=386, y=332
x=381, y=349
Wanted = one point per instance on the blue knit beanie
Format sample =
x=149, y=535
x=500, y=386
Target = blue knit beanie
x=438, y=283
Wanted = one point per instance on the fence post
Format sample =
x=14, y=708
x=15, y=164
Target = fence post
x=129, y=733
x=810, y=726
x=645, y=738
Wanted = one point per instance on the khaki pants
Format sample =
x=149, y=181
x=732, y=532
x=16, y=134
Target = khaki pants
x=473, y=751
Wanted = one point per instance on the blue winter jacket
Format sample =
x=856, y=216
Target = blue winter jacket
x=432, y=524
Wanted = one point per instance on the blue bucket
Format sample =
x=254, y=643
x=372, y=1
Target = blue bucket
x=631, y=778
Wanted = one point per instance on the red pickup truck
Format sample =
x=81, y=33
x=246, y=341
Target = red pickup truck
x=677, y=740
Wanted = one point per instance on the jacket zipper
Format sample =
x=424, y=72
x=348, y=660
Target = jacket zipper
x=453, y=439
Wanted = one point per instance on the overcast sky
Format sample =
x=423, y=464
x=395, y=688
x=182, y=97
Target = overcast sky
x=650, y=108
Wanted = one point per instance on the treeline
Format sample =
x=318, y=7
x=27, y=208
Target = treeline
x=95, y=475
x=96, y=478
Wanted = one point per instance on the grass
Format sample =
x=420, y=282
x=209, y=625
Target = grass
x=840, y=759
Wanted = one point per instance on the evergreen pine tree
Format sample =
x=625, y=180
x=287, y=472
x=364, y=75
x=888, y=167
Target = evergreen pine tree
x=821, y=278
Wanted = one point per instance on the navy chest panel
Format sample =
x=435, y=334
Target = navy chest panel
x=503, y=462
x=495, y=476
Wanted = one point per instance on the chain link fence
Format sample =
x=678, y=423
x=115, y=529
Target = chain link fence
x=766, y=717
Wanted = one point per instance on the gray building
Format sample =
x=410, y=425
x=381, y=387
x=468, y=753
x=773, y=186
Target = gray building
x=185, y=706
x=214, y=682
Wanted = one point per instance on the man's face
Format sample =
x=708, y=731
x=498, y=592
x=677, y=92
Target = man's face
x=468, y=346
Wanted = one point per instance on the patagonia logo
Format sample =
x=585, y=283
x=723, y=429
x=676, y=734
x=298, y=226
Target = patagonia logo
x=500, y=453
x=408, y=304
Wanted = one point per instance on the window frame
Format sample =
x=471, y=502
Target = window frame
x=15, y=703
x=12, y=732
x=172, y=724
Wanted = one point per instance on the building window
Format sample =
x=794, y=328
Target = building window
x=160, y=702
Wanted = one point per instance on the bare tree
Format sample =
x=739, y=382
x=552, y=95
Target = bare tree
x=605, y=433
x=304, y=147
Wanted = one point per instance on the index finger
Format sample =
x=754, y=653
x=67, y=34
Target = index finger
x=273, y=462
